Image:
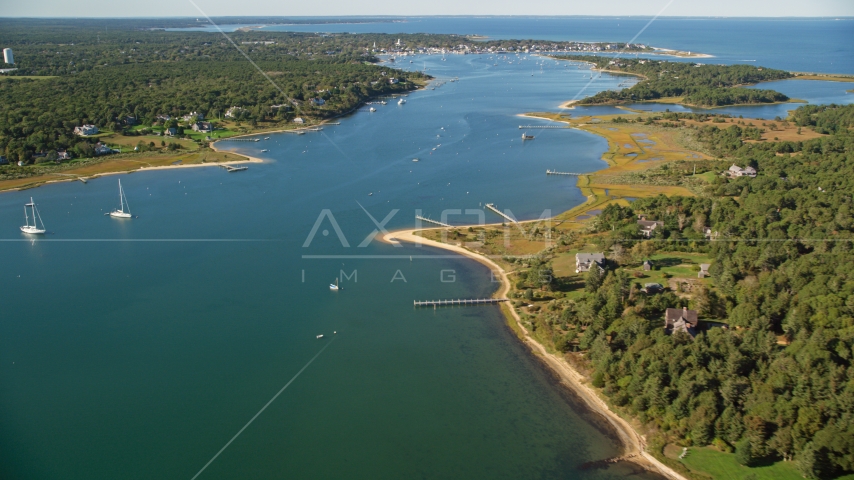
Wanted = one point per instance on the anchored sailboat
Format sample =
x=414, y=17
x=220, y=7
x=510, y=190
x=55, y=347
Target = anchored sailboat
x=32, y=229
x=123, y=203
x=334, y=286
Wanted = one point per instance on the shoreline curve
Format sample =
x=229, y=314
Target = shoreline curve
x=632, y=442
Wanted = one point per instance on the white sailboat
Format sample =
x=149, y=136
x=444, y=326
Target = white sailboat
x=334, y=286
x=32, y=229
x=401, y=101
x=123, y=203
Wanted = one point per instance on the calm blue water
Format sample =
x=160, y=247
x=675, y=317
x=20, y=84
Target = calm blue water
x=143, y=355
x=141, y=359
x=798, y=44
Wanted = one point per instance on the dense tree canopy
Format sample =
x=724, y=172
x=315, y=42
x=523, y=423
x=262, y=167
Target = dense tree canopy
x=704, y=85
x=779, y=382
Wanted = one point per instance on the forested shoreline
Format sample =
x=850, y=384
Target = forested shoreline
x=696, y=84
x=768, y=374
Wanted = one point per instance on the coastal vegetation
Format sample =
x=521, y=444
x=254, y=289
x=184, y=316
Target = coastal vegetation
x=765, y=385
x=693, y=83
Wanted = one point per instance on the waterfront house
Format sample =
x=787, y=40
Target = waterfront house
x=102, y=149
x=318, y=101
x=129, y=121
x=585, y=261
x=84, y=130
x=171, y=131
x=62, y=155
x=234, y=111
x=393, y=81
x=681, y=320
x=704, y=270
x=299, y=120
x=647, y=226
x=202, y=127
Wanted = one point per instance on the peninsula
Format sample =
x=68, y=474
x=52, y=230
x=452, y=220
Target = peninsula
x=663, y=225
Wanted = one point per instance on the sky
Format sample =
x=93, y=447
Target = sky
x=182, y=8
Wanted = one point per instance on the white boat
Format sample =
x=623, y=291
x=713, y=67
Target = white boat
x=383, y=103
x=123, y=202
x=265, y=150
x=334, y=286
x=401, y=101
x=266, y=138
x=320, y=336
x=525, y=136
x=414, y=159
x=32, y=229
x=372, y=109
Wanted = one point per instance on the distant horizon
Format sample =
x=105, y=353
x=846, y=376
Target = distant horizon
x=381, y=16
x=438, y=8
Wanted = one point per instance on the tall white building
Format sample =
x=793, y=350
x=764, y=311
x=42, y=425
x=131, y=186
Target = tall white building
x=7, y=55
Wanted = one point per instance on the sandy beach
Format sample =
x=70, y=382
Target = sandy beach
x=633, y=443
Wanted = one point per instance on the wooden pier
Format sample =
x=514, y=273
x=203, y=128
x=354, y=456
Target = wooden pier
x=499, y=212
x=542, y=126
x=555, y=172
x=459, y=301
x=238, y=140
x=234, y=169
x=436, y=222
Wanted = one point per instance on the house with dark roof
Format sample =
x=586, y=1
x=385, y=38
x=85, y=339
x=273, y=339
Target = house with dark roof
x=681, y=320
x=647, y=265
x=647, y=226
x=584, y=261
x=650, y=288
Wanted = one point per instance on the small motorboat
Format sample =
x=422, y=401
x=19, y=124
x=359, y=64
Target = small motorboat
x=414, y=159
x=265, y=150
x=334, y=286
x=320, y=336
x=372, y=109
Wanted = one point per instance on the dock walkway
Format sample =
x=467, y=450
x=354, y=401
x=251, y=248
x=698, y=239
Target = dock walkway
x=436, y=222
x=459, y=301
x=492, y=207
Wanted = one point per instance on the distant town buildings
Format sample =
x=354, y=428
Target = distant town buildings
x=585, y=261
x=8, y=56
x=84, y=130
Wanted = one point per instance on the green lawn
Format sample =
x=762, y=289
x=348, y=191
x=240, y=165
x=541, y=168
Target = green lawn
x=723, y=466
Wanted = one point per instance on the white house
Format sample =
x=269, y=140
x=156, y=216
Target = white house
x=584, y=261
x=393, y=81
x=299, y=120
x=102, y=149
x=190, y=116
x=85, y=130
x=233, y=112
x=736, y=171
